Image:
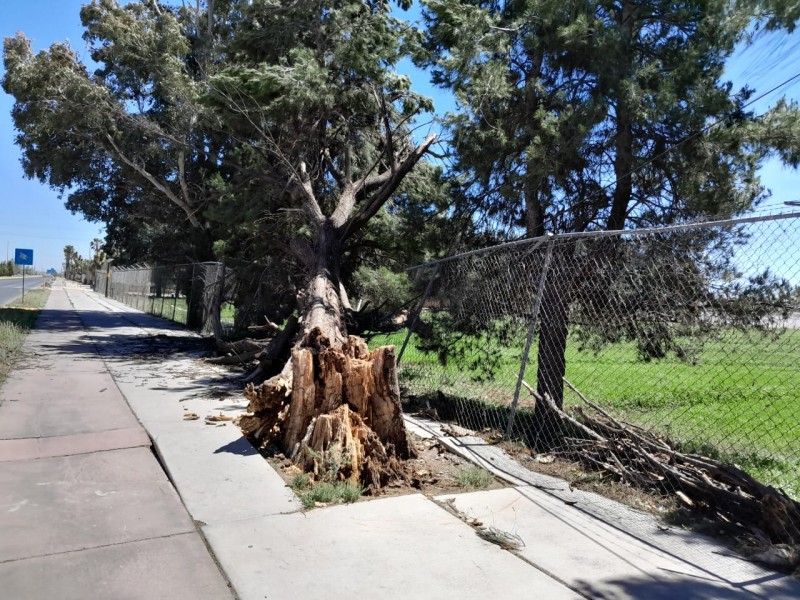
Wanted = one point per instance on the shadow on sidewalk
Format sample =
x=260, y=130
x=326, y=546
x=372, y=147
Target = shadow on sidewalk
x=688, y=588
x=135, y=337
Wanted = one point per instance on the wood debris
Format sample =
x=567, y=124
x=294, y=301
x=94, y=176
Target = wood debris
x=721, y=491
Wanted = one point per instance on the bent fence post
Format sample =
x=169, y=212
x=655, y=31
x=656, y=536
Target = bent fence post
x=537, y=304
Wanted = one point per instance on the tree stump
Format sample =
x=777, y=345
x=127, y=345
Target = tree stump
x=334, y=406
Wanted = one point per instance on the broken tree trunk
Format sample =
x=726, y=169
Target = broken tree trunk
x=340, y=404
x=334, y=400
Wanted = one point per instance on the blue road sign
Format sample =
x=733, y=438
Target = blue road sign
x=23, y=256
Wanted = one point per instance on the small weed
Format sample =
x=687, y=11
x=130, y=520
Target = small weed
x=329, y=493
x=300, y=482
x=350, y=492
x=474, y=478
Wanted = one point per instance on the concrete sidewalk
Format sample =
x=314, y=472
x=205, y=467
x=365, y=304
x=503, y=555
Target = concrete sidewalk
x=402, y=547
x=85, y=509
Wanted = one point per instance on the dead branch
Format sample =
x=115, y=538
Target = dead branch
x=722, y=491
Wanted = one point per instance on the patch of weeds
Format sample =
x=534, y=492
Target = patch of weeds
x=328, y=488
x=474, y=478
x=300, y=482
x=349, y=491
x=15, y=322
x=330, y=493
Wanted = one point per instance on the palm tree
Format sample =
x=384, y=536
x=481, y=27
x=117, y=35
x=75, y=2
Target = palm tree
x=70, y=258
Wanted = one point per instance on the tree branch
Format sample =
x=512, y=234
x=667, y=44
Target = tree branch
x=391, y=181
x=182, y=176
x=184, y=206
x=309, y=200
x=337, y=175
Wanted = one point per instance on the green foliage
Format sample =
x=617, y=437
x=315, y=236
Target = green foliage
x=300, y=482
x=381, y=287
x=188, y=138
x=7, y=268
x=474, y=478
x=595, y=115
x=15, y=321
x=128, y=145
x=567, y=116
x=771, y=14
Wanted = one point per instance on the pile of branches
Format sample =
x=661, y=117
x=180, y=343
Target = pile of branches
x=721, y=491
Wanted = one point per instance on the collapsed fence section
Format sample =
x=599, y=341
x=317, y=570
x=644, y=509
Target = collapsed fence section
x=675, y=342
x=196, y=294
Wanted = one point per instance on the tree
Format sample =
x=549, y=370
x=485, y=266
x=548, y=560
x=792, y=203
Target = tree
x=269, y=129
x=595, y=115
x=310, y=86
x=129, y=144
x=70, y=261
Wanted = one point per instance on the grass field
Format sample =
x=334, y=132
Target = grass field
x=16, y=320
x=174, y=309
x=738, y=398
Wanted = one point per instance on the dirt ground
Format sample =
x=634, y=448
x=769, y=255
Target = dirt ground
x=436, y=471
x=578, y=477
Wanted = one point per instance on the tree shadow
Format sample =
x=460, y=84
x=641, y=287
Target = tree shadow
x=240, y=447
x=688, y=588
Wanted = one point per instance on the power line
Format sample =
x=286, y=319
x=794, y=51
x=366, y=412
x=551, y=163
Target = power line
x=697, y=133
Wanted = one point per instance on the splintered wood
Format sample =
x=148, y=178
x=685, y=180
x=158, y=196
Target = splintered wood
x=334, y=405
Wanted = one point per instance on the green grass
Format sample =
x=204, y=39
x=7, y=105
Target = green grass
x=174, y=309
x=16, y=320
x=739, y=396
x=474, y=478
x=331, y=493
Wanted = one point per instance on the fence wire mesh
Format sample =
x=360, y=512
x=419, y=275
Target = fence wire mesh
x=190, y=294
x=688, y=335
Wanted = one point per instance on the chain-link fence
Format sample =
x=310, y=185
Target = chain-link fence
x=683, y=340
x=196, y=295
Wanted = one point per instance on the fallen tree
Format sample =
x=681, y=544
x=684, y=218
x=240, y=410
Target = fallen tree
x=724, y=492
x=328, y=127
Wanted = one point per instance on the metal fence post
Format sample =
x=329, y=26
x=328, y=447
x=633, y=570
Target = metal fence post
x=175, y=298
x=537, y=304
x=191, y=299
x=418, y=312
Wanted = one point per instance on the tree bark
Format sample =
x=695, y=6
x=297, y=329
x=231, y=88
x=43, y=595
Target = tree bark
x=334, y=402
x=551, y=358
x=623, y=139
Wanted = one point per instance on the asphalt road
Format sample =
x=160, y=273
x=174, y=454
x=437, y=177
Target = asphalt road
x=11, y=287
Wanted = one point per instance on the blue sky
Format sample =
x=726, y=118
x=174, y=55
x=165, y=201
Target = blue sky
x=32, y=215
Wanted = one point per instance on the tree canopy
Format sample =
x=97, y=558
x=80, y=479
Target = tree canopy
x=600, y=113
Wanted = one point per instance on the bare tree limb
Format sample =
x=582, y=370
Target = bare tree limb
x=164, y=189
x=390, y=185
x=309, y=200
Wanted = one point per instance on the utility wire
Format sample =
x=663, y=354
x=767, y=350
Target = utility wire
x=700, y=132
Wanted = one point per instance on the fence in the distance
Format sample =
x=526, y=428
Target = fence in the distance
x=192, y=294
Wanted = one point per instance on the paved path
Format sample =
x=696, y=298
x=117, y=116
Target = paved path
x=91, y=515
x=85, y=509
x=11, y=287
